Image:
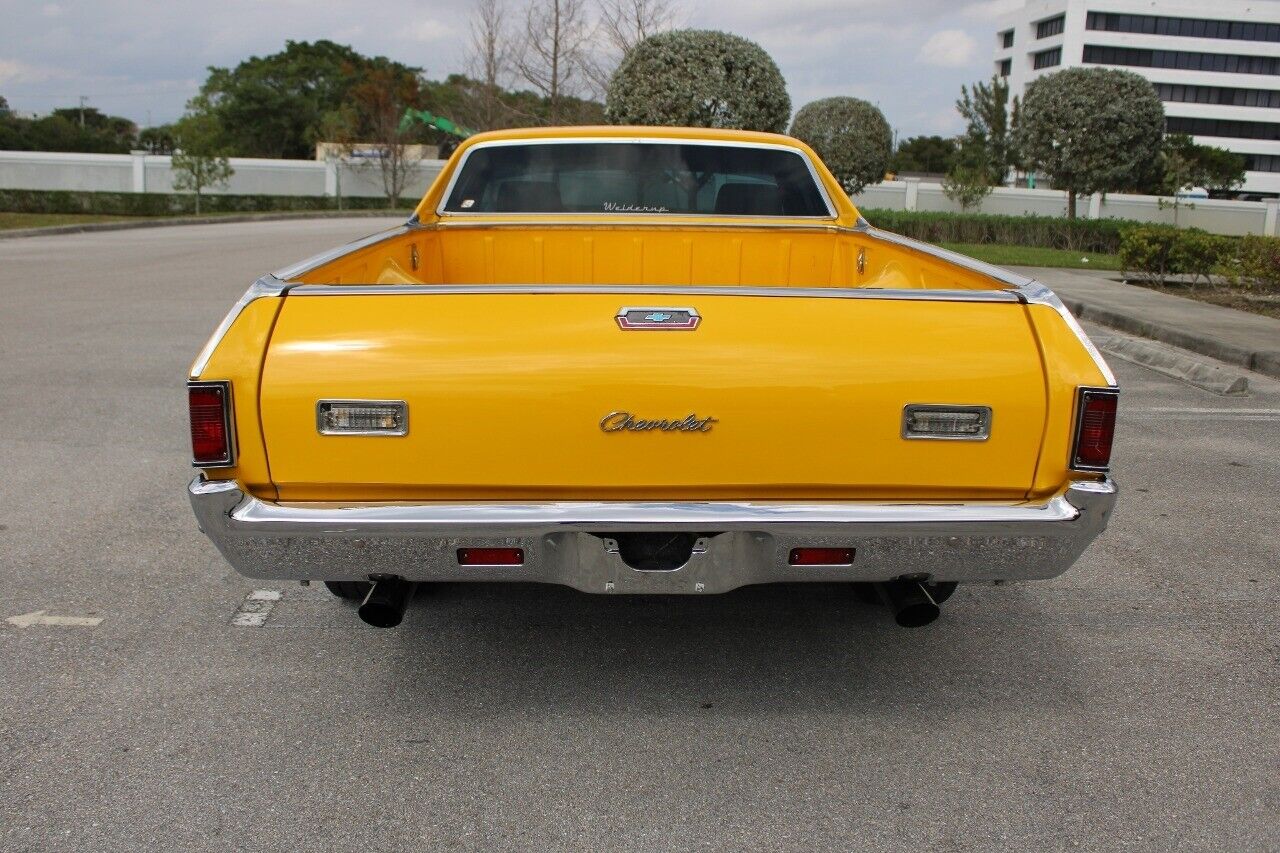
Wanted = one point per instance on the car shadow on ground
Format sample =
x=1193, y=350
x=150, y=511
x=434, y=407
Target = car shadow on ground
x=760, y=649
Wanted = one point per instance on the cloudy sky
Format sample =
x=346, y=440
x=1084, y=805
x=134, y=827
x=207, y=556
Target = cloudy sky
x=145, y=59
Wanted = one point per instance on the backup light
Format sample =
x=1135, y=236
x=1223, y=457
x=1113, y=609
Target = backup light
x=972, y=423
x=1095, y=429
x=362, y=417
x=821, y=557
x=491, y=556
x=209, y=404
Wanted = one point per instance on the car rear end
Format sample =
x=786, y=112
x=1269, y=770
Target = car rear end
x=653, y=438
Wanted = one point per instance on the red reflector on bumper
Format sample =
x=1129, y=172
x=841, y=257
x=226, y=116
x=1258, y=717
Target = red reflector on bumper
x=821, y=557
x=491, y=556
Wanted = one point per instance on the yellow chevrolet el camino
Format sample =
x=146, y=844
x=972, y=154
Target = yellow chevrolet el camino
x=648, y=360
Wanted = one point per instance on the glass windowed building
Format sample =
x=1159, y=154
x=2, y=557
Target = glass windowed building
x=1215, y=66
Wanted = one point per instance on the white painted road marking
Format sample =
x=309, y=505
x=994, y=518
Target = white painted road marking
x=1175, y=414
x=38, y=617
x=255, y=608
x=1196, y=411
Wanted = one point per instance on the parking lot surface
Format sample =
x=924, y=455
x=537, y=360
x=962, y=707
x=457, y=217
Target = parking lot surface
x=1131, y=703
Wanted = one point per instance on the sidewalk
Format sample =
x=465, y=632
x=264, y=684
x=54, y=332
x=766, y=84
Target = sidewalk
x=1249, y=340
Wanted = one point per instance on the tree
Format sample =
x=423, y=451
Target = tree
x=377, y=107
x=490, y=63
x=699, y=78
x=1188, y=164
x=273, y=106
x=61, y=131
x=850, y=135
x=199, y=162
x=553, y=53
x=626, y=23
x=1091, y=129
x=157, y=140
x=967, y=185
x=4, y=105
x=623, y=24
x=113, y=132
x=989, y=133
x=924, y=154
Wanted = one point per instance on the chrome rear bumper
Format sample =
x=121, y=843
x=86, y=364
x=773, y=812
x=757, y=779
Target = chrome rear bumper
x=566, y=543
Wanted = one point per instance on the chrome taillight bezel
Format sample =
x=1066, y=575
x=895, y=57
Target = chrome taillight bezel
x=228, y=422
x=1073, y=457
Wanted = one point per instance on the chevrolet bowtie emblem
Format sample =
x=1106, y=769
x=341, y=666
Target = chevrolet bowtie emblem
x=658, y=319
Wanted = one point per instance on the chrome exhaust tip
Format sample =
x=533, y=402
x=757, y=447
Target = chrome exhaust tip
x=910, y=603
x=384, y=606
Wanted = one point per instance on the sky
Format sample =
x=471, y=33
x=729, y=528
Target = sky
x=143, y=60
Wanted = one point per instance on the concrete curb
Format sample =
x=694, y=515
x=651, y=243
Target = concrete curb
x=1176, y=363
x=90, y=227
x=1265, y=362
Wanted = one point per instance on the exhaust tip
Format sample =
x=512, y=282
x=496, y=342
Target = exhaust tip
x=385, y=604
x=917, y=615
x=910, y=602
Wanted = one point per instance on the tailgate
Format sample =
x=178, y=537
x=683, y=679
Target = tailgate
x=506, y=394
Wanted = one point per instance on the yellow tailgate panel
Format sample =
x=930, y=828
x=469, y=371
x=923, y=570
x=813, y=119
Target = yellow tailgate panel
x=506, y=393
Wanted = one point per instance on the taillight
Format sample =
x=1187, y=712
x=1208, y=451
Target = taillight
x=210, y=406
x=1095, y=429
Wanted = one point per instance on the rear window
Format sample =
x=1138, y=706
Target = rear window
x=636, y=177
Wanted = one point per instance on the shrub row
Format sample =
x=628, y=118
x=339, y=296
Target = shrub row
x=1153, y=252
x=1050, y=232
x=168, y=204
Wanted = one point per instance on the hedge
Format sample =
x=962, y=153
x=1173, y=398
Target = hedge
x=169, y=204
x=1152, y=253
x=1050, y=232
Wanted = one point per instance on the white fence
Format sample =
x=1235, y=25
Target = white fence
x=40, y=170
x=1218, y=217
x=139, y=173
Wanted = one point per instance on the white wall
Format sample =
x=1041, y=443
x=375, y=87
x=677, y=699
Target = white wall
x=1218, y=217
x=38, y=170
x=42, y=170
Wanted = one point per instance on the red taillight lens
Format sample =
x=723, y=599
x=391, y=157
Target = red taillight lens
x=1095, y=429
x=821, y=556
x=491, y=556
x=210, y=425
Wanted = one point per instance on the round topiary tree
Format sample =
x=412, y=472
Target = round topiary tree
x=851, y=136
x=699, y=78
x=1091, y=130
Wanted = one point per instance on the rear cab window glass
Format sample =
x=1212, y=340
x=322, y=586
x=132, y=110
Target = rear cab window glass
x=637, y=178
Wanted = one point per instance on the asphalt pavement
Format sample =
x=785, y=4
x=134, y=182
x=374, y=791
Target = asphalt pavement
x=1131, y=703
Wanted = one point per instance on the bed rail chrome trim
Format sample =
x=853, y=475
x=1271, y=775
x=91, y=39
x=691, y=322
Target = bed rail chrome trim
x=1036, y=293
x=305, y=266
x=990, y=270
x=665, y=221
x=683, y=290
x=265, y=287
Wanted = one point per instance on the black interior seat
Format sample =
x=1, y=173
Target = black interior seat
x=749, y=200
x=529, y=197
